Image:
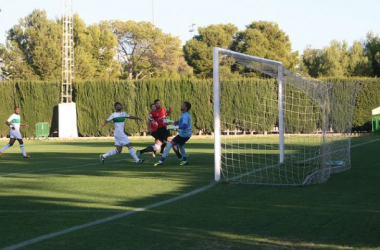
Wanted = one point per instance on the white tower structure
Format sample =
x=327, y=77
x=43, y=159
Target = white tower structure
x=67, y=124
x=67, y=52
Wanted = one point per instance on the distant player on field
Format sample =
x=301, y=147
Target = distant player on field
x=14, y=122
x=184, y=126
x=157, y=117
x=121, y=139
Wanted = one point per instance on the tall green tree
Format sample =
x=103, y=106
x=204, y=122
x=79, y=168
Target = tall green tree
x=104, y=49
x=15, y=64
x=33, y=49
x=198, y=51
x=144, y=50
x=310, y=62
x=35, y=45
x=336, y=60
x=262, y=39
x=267, y=40
x=358, y=63
x=372, y=50
x=84, y=61
x=95, y=50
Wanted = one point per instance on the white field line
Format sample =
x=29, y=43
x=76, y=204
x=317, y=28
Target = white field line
x=118, y=216
x=276, y=165
x=361, y=144
x=111, y=218
x=313, y=158
x=66, y=211
x=56, y=169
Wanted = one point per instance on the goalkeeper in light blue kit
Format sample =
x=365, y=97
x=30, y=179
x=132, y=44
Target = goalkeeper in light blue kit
x=184, y=127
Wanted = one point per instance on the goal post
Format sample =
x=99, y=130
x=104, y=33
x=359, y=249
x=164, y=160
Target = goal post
x=281, y=130
x=216, y=101
x=275, y=127
x=216, y=96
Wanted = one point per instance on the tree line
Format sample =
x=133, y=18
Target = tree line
x=95, y=100
x=138, y=50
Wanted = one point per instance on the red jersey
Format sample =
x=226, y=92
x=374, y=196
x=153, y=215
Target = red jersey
x=158, y=116
x=153, y=123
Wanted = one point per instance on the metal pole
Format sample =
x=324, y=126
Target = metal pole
x=281, y=115
x=217, y=135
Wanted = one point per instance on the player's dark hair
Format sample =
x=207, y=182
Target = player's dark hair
x=151, y=105
x=157, y=100
x=188, y=105
x=116, y=103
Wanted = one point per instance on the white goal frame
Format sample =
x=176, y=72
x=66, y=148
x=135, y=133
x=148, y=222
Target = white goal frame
x=216, y=102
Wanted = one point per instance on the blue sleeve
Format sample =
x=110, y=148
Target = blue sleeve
x=183, y=123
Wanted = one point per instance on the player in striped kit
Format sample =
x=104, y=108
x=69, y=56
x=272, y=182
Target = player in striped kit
x=121, y=139
x=14, y=122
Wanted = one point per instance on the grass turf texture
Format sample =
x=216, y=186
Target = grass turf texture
x=69, y=187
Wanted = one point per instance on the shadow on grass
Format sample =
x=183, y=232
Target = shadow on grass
x=344, y=212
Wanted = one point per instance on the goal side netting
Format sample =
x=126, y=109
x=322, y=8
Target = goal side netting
x=274, y=127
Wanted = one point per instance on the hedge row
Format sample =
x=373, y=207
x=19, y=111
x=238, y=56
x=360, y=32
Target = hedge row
x=95, y=99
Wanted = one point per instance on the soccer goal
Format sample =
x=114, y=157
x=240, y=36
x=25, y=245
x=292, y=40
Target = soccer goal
x=274, y=127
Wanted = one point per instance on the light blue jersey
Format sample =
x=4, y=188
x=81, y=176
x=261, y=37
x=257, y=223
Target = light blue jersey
x=184, y=125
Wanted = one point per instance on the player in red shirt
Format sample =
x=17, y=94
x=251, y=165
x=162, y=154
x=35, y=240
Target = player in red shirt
x=152, y=128
x=161, y=134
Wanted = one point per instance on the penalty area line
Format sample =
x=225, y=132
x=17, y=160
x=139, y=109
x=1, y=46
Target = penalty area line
x=56, y=169
x=108, y=219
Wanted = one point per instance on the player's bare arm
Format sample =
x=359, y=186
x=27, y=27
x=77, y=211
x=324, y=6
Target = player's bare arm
x=149, y=126
x=135, y=118
x=169, y=111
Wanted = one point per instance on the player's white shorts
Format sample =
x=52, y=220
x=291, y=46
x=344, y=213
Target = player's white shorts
x=15, y=134
x=121, y=140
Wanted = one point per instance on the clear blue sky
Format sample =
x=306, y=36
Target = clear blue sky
x=306, y=22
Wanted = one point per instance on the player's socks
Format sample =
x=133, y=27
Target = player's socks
x=184, y=155
x=176, y=151
x=163, y=146
x=166, y=152
x=23, y=150
x=5, y=147
x=133, y=154
x=147, y=149
x=110, y=153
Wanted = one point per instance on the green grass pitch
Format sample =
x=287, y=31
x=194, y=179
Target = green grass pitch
x=64, y=187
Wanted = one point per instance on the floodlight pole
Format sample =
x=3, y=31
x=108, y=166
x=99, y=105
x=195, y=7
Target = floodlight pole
x=67, y=52
x=67, y=116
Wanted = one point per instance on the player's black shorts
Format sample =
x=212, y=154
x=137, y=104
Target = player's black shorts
x=161, y=134
x=180, y=140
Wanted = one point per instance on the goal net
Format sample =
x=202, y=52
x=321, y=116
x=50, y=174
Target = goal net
x=274, y=127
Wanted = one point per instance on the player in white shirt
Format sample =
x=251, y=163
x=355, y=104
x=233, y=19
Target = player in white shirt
x=14, y=122
x=121, y=139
